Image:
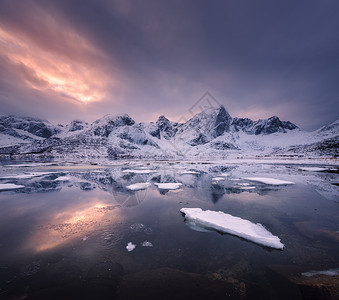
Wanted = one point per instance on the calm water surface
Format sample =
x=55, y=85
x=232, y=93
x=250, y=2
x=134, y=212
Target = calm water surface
x=64, y=235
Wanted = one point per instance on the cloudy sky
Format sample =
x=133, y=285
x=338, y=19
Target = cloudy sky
x=80, y=59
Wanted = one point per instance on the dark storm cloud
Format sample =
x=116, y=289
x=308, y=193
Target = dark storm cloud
x=258, y=58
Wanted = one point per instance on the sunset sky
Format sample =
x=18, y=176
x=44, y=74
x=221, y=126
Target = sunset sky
x=78, y=59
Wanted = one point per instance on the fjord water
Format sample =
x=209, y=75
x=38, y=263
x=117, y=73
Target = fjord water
x=64, y=235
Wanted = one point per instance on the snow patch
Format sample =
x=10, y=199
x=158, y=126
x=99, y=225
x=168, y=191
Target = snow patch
x=220, y=221
x=138, y=186
x=138, y=171
x=218, y=178
x=146, y=244
x=10, y=186
x=189, y=172
x=130, y=246
x=27, y=175
x=331, y=272
x=168, y=185
x=63, y=178
x=314, y=169
x=271, y=181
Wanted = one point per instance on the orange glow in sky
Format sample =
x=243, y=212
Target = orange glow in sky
x=73, y=76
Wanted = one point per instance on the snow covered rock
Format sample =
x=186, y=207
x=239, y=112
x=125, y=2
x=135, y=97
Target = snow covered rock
x=205, y=126
x=105, y=125
x=262, y=126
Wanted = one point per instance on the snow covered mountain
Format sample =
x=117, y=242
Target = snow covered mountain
x=212, y=133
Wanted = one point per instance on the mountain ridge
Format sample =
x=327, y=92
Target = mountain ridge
x=212, y=132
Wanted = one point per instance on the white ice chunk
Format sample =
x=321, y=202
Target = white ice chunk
x=314, y=169
x=138, y=186
x=31, y=165
x=138, y=171
x=147, y=244
x=10, y=186
x=218, y=178
x=130, y=246
x=223, y=175
x=189, y=172
x=63, y=178
x=27, y=175
x=331, y=272
x=168, y=185
x=271, y=181
x=246, y=187
x=220, y=221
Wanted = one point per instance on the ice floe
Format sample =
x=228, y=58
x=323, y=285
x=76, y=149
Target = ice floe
x=246, y=187
x=168, y=185
x=271, y=181
x=27, y=175
x=218, y=178
x=146, y=244
x=130, y=246
x=31, y=165
x=331, y=272
x=223, y=175
x=10, y=186
x=63, y=178
x=138, y=186
x=189, y=172
x=226, y=223
x=315, y=169
x=138, y=171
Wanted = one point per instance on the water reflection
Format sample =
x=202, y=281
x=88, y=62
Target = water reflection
x=76, y=222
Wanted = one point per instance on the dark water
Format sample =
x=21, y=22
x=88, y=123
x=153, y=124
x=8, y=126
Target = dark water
x=64, y=235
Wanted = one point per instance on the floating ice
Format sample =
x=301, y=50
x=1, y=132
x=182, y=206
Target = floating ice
x=223, y=175
x=10, y=186
x=63, y=178
x=147, y=244
x=220, y=221
x=246, y=187
x=331, y=272
x=189, y=172
x=31, y=165
x=168, y=185
x=27, y=175
x=130, y=246
x=218, y=178
x=271, y=181
x=314, y=169
x=138, y=171
x=138, y=186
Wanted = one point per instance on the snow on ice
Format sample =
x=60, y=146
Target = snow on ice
x=130, y=246
x=271, y=181
x=218, y=178
x=331, y=272
x=138, y=171
x=220, y=221
x=27, y=175
x=138, y=186
x=10, y=186
x=168, y=185
x=147, y=244
x=189, y=172
x=314, y=169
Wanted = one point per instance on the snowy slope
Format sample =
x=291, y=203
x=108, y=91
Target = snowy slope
x=212, y=133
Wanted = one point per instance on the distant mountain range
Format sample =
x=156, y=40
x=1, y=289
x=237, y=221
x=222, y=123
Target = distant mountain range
x=211, y=134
